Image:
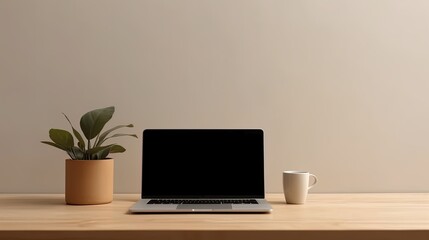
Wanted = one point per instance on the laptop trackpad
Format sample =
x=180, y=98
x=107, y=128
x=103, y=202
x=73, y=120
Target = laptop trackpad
x=204, y=206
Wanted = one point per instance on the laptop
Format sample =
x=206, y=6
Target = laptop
x=202, y=170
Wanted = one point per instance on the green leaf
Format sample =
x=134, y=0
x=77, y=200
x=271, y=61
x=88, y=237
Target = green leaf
x=101, y=154
x=93, y=122
x=104, y=134
x=119, y=135
x=81, y=142
x=71, y=154
x=117, y=149
x=98, y=149
x=55, y=145
x=103, y=151
x=67, y=150
x=61, y=137
x=78, y=153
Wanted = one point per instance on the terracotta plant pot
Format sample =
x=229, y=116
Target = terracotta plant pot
x=89, y=181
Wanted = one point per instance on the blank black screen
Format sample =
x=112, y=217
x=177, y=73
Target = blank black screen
x=203, y=163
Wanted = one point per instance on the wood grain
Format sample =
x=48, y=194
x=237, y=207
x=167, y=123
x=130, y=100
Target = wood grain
x=334, y=216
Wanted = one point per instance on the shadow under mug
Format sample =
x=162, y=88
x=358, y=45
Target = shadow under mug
x=296, y=186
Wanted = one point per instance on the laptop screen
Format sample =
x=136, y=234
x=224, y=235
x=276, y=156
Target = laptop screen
x=201, y=163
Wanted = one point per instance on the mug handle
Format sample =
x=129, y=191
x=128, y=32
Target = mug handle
x=315, y=181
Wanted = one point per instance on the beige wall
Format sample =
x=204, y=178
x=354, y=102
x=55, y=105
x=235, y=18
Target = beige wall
x=340, y=87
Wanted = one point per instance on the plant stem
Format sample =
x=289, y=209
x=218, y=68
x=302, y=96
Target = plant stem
x=89, y=147
x=70, y=155
x=96, y=140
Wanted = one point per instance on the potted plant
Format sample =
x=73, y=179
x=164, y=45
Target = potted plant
x=89, y=170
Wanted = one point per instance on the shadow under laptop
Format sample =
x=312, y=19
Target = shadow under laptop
x=193, y=213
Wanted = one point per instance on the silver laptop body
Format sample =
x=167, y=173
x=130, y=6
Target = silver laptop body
x=202, y=170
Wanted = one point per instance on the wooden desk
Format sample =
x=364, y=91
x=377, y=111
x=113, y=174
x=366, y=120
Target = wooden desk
x=324, y=216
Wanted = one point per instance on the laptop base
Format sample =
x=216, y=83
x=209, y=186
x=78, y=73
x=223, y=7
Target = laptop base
x=142, y=207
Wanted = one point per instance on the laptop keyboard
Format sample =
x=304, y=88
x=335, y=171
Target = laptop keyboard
x=217, y=201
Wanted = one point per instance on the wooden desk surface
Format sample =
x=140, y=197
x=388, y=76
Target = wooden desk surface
x=324, y=216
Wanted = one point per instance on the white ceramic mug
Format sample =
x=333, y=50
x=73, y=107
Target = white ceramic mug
x=296, y=186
